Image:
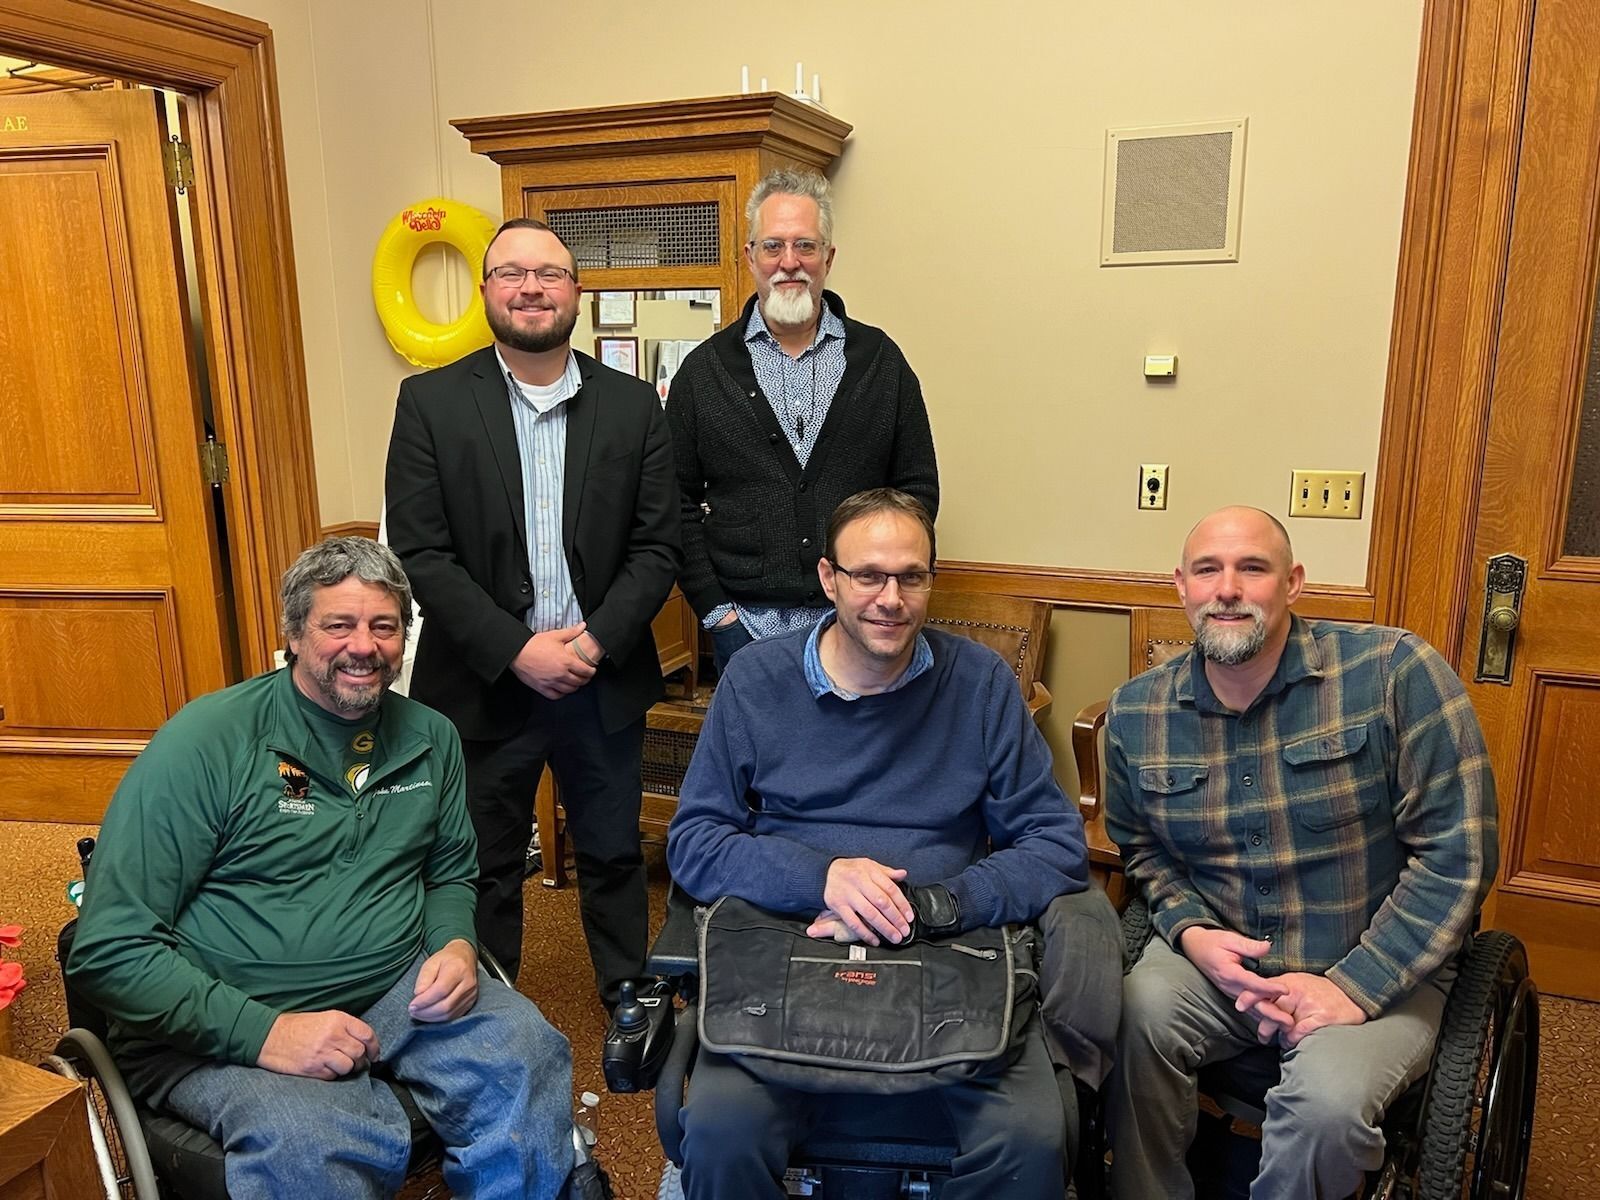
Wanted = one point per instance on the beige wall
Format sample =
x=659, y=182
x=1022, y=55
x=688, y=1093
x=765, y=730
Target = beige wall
x=969, y=202
x=969, y=217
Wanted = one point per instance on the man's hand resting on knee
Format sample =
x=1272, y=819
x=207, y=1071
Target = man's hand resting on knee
x=447, y=984
x=322, y=1045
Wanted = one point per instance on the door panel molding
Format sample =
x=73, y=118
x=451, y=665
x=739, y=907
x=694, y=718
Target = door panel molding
x=1465, y=141
x=226, y=63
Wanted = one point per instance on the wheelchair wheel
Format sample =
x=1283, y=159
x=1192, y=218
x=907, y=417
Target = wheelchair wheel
x=119, y=1149
x=1478, y=1122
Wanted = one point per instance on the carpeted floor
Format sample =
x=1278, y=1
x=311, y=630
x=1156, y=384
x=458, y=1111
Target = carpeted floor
x=37, y=861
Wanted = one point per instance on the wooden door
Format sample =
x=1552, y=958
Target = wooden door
x=1540, y=501
x=109, y=580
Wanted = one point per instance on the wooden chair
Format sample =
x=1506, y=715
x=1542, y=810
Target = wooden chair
x=1155, y=635
x=1014, y=627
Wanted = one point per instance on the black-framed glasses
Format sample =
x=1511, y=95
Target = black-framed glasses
x=873, y=582
x=805, y=249
x=512, y=276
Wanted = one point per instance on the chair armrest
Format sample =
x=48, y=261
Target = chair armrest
x=1086, y=728
x=1039, y=701
x=675, y=954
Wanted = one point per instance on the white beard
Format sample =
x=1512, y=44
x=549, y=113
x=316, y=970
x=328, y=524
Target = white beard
x=789, y=309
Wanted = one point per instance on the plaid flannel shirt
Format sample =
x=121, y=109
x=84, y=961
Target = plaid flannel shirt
x=1347, y=815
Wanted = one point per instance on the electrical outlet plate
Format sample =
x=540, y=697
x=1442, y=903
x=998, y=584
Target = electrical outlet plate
x=1153, y=486
x=1324, y=493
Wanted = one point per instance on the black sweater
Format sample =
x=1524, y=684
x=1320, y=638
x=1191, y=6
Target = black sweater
x=761, y=540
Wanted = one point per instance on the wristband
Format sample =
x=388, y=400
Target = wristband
x=937, y=910
x=578, y=650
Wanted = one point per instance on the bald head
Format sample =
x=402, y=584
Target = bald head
x=1240, y=522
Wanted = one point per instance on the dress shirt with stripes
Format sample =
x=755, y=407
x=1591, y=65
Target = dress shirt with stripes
x=1347, y=815
x=540, y=417
x=800, y=391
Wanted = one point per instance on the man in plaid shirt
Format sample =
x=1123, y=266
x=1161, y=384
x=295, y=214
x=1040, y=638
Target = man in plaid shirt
x=1307, y=807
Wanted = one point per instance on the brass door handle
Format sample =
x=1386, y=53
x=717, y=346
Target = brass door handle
x=1502, y=613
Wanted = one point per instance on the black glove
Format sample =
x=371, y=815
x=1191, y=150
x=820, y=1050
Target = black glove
x=937, y=911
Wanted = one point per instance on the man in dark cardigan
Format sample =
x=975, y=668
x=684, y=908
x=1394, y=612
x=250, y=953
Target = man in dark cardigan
x=779, y=417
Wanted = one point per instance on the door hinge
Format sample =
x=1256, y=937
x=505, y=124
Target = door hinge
x=178, y=160
x=214, y=462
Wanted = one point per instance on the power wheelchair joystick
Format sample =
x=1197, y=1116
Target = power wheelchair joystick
x=637, y=1037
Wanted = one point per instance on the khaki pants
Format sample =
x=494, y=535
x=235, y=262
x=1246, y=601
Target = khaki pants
x=1321, y=1132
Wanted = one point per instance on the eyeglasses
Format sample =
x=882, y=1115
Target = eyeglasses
x=805, y=249
x=873, y=582
x=548, y=277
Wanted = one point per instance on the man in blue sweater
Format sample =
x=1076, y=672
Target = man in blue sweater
x=868, y=772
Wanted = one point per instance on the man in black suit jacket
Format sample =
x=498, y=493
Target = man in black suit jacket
x=532, y=498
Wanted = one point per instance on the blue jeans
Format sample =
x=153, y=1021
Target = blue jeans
x=495, y=1084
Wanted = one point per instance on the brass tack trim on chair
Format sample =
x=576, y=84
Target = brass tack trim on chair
x=1024, y=631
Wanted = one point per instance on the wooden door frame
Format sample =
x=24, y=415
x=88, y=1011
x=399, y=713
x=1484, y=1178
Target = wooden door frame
x=1466, y=136
x=246, y=254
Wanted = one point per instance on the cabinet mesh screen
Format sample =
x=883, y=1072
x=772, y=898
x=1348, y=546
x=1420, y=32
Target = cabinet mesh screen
x=1172, y=193
x=666, y=759
x=640, y=235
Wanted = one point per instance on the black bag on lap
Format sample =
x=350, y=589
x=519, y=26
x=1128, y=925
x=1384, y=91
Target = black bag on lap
x=824, y=1016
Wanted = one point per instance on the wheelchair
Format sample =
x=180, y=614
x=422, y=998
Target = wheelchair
x=1461, y=1131
x=144, y=1154
x=904, y=1156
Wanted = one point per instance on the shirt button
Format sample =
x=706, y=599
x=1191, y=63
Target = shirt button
x=360, y=815
x=805, y=541
x=773, y=438
x=1255, y=839
x=1171, y=779
x=525, y=589
x=752, y=395
x=1264, y=890
x=541, y=460
x=545, y=593
x=802, y=487
x=1248, y=780
x=544, y=504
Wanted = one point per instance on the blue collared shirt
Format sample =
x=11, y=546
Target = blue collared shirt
x=822, y=685
x=540, y=417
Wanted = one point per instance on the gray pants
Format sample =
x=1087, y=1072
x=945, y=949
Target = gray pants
x=1321, y=1131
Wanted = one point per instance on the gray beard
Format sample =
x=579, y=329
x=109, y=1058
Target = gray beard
x=353, y=702
x=1230, y=647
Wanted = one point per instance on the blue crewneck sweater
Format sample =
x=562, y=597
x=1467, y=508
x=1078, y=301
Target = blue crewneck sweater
x=926, y=777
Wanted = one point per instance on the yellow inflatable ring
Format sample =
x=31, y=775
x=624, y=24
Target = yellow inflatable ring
x=419, y=341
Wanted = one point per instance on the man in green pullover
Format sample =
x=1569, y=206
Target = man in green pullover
x=282, y=901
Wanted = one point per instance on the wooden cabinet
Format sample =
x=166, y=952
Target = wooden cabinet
x=651, y=196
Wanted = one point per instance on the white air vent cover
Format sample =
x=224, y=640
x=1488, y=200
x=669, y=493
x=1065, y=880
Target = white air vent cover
x=1172, y=194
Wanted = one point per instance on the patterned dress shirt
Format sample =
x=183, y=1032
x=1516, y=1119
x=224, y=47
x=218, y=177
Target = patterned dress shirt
x=800, y=391
x=1347, y=815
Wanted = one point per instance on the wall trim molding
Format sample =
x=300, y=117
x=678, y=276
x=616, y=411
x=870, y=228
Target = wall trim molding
x=366, y=529
x=1085, y=588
